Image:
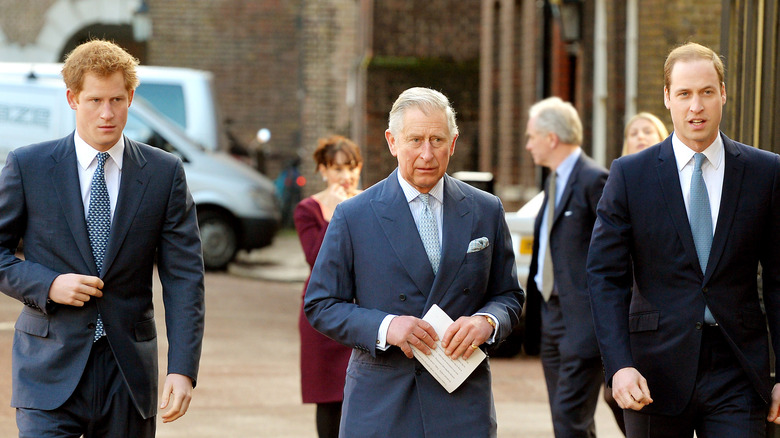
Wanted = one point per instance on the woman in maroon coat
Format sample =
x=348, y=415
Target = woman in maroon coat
x=323, y=360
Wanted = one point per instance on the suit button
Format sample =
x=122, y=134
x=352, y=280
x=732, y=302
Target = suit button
x=402, y=297
x=91, y=326
x=417, y=372
x=466, y=291
x=705, y=289
x=699, y=325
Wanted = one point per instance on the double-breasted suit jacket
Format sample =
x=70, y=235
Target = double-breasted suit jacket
x=372, y=263
x=642, y=217
x=154, y=221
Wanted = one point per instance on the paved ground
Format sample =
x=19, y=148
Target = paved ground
x=249, y=378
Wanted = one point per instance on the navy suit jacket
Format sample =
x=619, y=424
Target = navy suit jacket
x=154, y=220
x=372, y=263
x=572, y=226
x=642, y=217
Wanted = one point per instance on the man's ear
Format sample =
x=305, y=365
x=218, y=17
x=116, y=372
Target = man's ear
x=391, y=142
x=666, y=98
x=73, y=99
x=553, y=139
x=452, y=146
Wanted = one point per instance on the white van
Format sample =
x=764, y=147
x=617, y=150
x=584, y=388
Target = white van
x=237, y=207
x=184, y=95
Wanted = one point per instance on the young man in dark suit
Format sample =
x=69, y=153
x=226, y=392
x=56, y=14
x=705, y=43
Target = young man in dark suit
x=557, y=280
x=96, y=210
x=687, y=222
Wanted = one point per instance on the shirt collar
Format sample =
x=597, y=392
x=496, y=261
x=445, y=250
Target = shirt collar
x=411, y=193
x=85, y=153
x=567, y=165
x=683, y=154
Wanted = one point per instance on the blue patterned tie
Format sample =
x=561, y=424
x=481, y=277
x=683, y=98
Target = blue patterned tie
x=99, y=223
x=429, y=233
x=701, y=220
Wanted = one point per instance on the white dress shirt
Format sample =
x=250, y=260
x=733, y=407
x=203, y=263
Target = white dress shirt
x=86, y=156
x=712, y=169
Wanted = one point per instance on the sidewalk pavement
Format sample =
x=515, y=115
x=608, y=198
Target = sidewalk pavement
x=282, y=261
x=519, y=389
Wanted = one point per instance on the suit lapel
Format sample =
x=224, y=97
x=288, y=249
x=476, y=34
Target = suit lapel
x=395, y=218
x=131, y=190
x=571, y=184
x=65, y=180
x=456, y=226
x=732, y=185
x=669, y=179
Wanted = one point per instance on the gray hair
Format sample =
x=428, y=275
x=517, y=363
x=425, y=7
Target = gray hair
x=554, y=116
x=427, y=101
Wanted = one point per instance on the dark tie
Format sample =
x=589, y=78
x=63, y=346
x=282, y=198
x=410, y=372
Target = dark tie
x=99, y=223
x=429, y=233
x=548, y=278
x=701, y=220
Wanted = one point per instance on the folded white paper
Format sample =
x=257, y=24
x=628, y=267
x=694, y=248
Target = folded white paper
x=449, y=373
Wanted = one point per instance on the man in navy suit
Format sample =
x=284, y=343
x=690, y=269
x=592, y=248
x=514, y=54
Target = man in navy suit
x=96, y=210
x=557, y=280
x=415, y=239
x=687, y=222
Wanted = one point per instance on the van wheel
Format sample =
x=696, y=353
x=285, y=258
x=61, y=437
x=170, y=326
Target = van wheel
x=218, y=239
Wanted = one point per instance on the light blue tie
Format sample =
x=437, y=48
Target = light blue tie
x=429, y=233
x=701, y=221
x=99, y=223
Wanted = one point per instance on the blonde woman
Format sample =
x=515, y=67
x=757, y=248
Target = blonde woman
x=642, y=131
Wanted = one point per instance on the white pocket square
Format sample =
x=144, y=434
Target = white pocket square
x=568, y=213
x=478, y=244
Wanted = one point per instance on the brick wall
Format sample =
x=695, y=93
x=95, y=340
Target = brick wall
x=252, y=48
x=663, y=25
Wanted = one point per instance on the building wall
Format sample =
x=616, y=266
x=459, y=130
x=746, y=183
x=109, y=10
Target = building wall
x=663, y=25
x=431, y=44
x=253, y=48
x=290, y=65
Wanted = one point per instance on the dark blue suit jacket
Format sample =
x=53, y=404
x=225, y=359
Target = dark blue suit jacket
x=642, y=217
x=372, y=263
x=569, y=241
x=154, y=220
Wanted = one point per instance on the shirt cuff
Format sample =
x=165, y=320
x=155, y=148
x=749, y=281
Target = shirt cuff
x=381, y=337
x=492, y=339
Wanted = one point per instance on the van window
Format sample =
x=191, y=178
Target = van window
x=167, y=99
x=138, y=130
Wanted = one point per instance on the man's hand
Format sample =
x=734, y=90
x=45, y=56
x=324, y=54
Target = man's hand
x=465, y=335
x=630, y=390
x=177, y=393
x=75, y=289
x=774, y=408
x=405, y=331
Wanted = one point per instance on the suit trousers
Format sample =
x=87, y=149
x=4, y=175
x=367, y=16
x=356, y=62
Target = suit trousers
x=101, y=406
x=724, y=402
x=573, y=382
